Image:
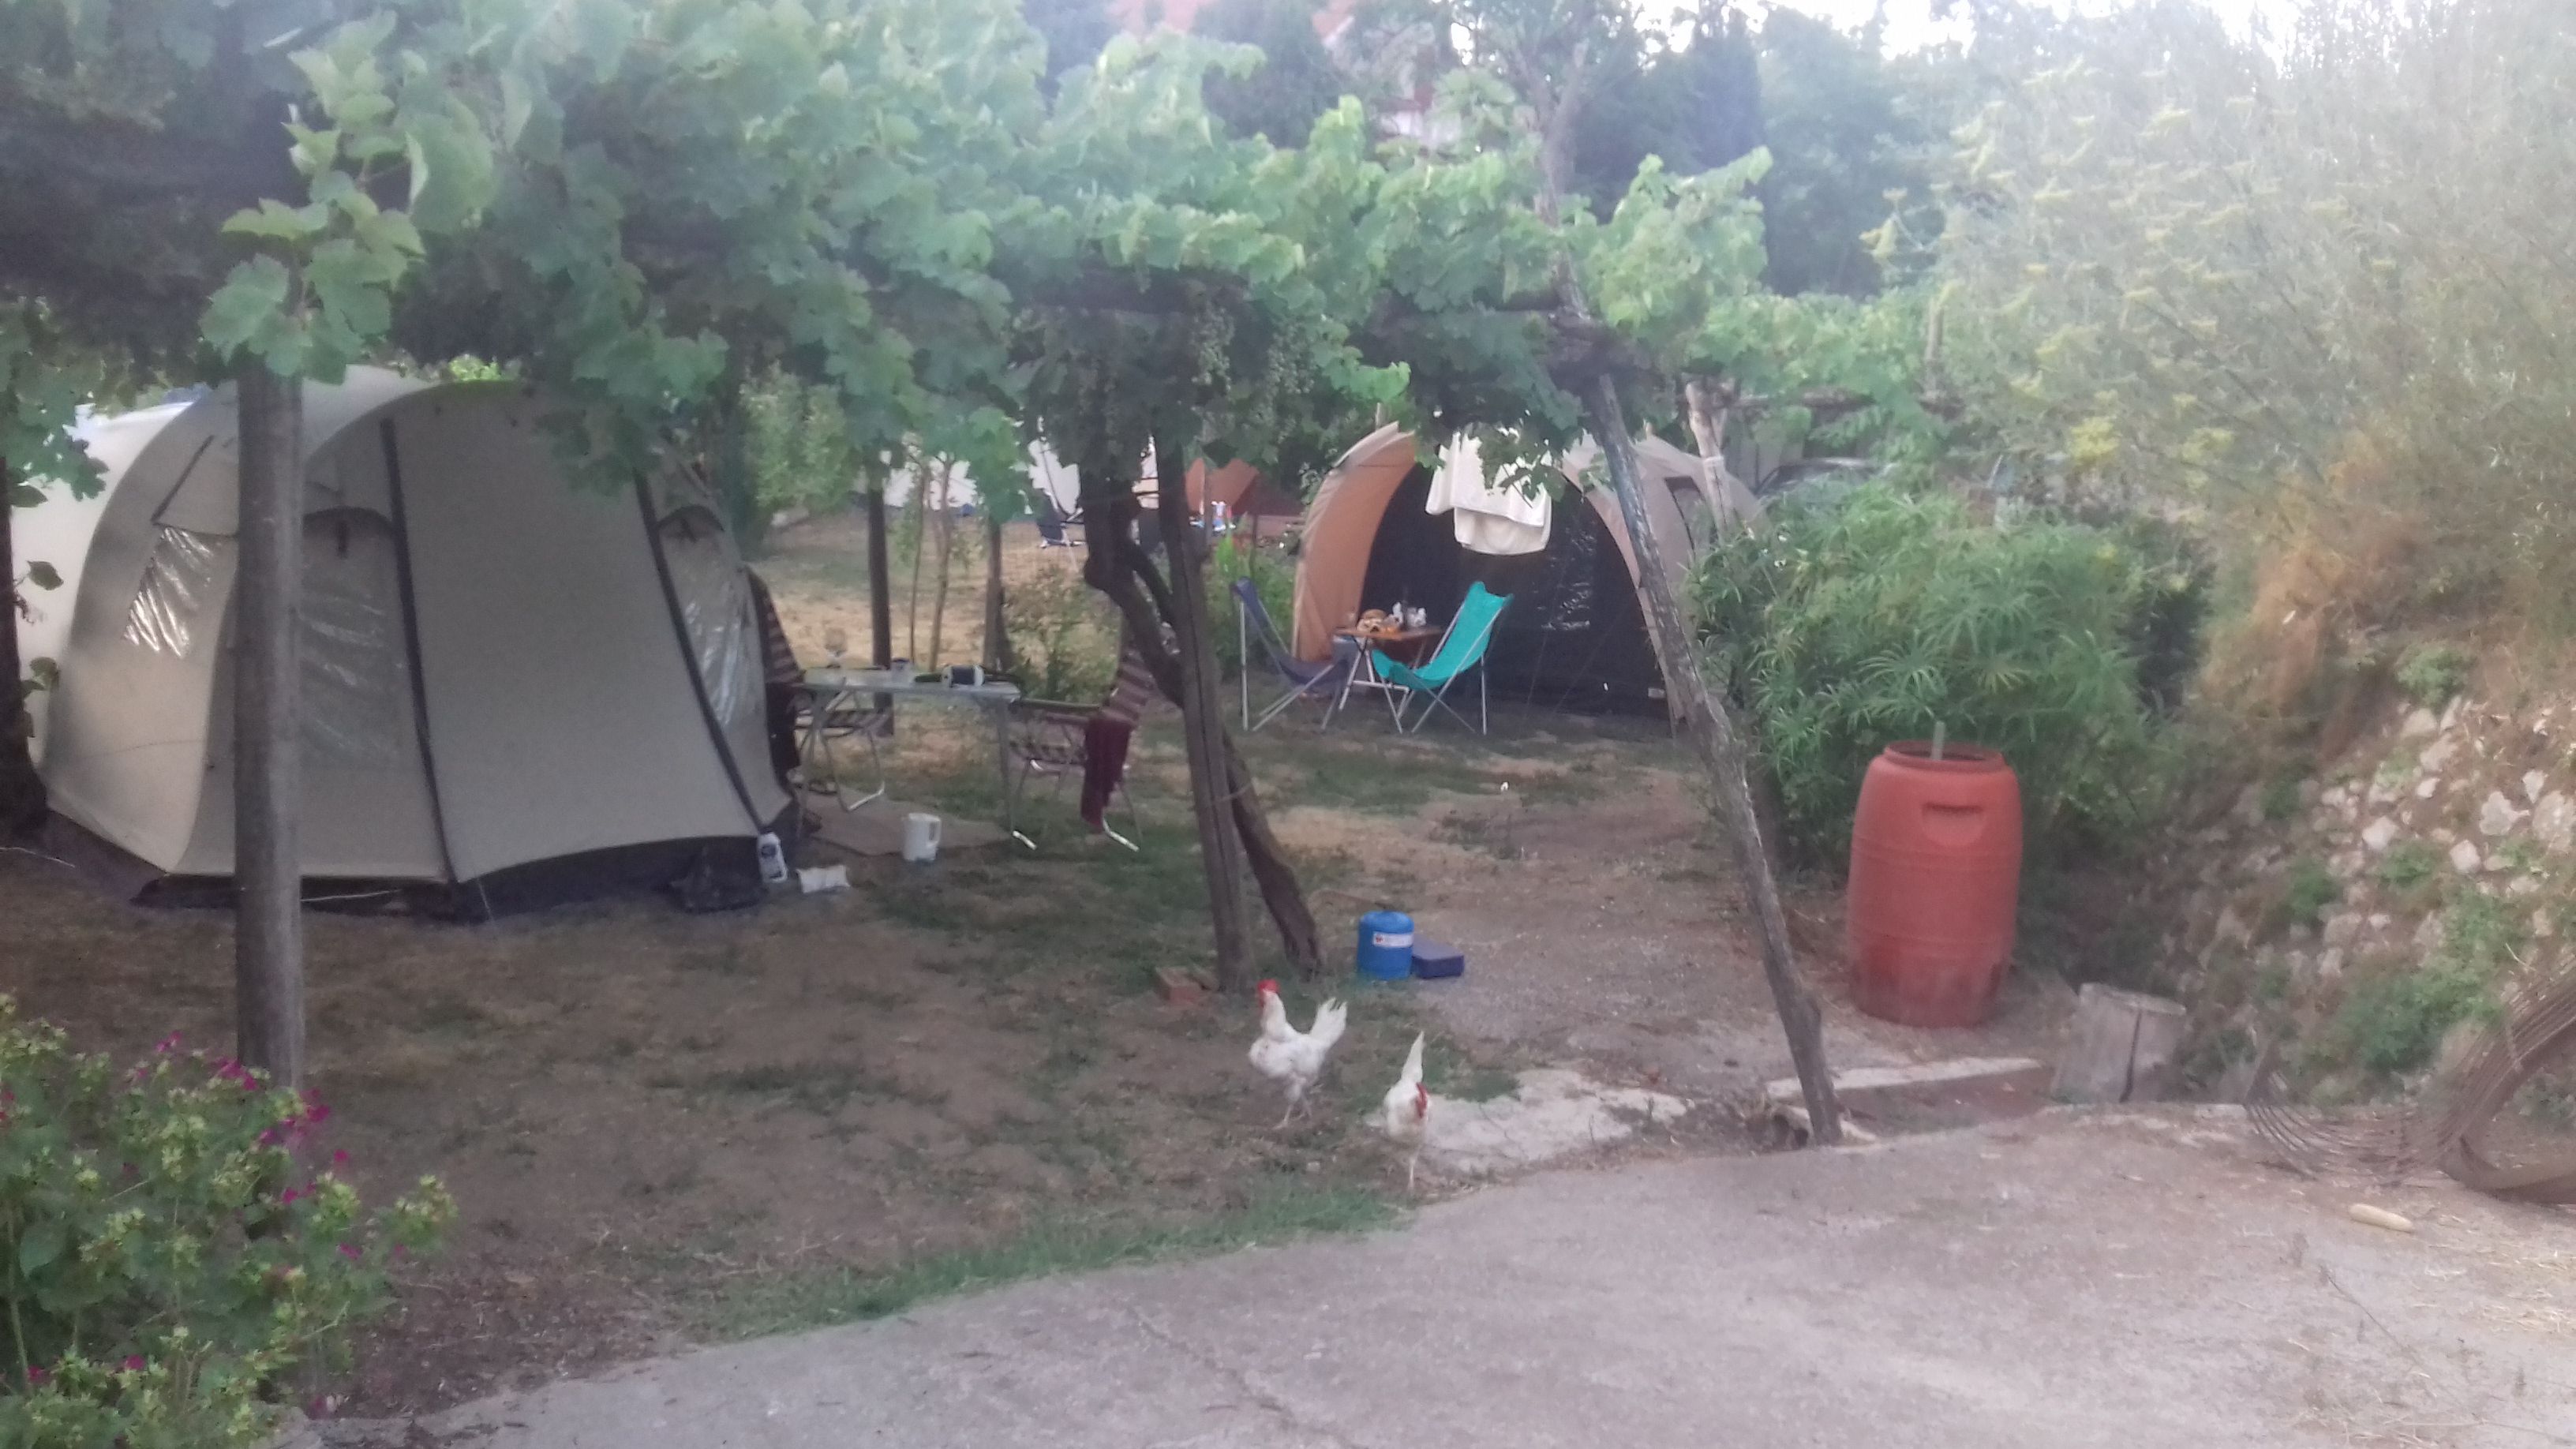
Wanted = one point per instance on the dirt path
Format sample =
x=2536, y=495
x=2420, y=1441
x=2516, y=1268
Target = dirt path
x=1604, y=926
x=2069, y=1281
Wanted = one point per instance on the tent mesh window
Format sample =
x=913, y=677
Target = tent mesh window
x=168, y=614
x=356, y=695
x=715, y=603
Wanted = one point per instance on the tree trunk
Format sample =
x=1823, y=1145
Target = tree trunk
x=1708, y=424
x=1117, y=568
x=943, y=521
x=1722, y=755
x=999, y=656
x=1280, y=890
x=268, y=793
x=913, y=509
x=880, y=583
x=729, y=465
x=880, y=592
x=22, y=793
x=1203, y=725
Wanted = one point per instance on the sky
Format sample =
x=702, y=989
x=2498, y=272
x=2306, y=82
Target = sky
x=1910, y=25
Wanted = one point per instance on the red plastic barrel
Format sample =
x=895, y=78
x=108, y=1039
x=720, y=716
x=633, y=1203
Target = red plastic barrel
x=1935, y=880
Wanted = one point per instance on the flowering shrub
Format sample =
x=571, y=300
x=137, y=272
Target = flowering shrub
x=164, y=1257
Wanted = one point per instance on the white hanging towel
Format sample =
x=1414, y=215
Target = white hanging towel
x=1490, y=518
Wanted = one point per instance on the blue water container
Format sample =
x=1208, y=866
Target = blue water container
x=1386, y=945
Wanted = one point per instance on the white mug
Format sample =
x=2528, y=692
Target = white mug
x=920, y=837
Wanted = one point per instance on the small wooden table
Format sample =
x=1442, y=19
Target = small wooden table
x=1405, y=645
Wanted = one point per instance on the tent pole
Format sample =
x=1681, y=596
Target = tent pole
x=268, y=788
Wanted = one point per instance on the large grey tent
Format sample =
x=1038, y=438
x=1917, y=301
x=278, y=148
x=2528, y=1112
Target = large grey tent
x=515, y=689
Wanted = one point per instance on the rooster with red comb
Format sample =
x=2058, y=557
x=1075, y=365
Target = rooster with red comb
x=1292, y=1058
x=1405, y=1115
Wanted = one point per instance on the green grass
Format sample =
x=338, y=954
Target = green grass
x=2280, y=800
x=2409, y=865
x=2310, y=889
x=787, y=1301
x=2392, y=1024
x=2432, y=673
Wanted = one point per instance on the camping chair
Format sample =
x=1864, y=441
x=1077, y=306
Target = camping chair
x=1322, y=682
x=826, y=721
x=1045, y=739
x=1462, y=648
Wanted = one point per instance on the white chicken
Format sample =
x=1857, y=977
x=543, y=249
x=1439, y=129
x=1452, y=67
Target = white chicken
x=1293, y=1058
x=1405, y=1115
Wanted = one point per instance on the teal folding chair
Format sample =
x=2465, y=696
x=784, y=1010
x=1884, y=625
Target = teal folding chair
x=1461, y=649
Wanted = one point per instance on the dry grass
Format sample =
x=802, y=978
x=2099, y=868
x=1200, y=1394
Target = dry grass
x=662, y=1126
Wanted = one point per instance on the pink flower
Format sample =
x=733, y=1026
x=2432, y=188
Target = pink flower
x=340, y=1158
x=169, y=1043
x=349, y=1251
x=36, y=1376
x=288, y=1197
x=134, y=1363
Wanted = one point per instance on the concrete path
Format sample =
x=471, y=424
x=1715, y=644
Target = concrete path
x=2061, y=1282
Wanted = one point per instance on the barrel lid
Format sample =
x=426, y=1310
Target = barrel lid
x=1387, y=921
x=1956, y=759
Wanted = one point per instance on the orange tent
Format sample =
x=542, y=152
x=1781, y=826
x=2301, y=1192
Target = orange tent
x=1243, y=491
x=1341, y=522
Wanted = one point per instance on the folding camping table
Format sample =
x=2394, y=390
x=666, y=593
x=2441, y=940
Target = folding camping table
x=837, y=687
x=1398, y=643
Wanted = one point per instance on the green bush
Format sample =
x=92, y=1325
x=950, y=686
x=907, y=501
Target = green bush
x=1859, y=619
x=1274, y=576
x=166, y=1260
x=1066, y=635
x=2392, y=1024
x=2409, y=865
x=2431, y=674
x=798, y=446
x=2280, y=799
x=2311, y=888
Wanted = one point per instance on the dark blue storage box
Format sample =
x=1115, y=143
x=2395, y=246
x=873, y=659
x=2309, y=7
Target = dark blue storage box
x=1435, y=960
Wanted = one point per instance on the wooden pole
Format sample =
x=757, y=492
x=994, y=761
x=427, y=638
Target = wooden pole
x=1713, y=734
x=1722, y=756
x=268, y=792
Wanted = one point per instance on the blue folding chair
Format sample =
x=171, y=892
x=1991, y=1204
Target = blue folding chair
x=1322, y=682
x=1461, y=649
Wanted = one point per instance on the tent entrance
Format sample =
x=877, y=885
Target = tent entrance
x=1574, y=638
